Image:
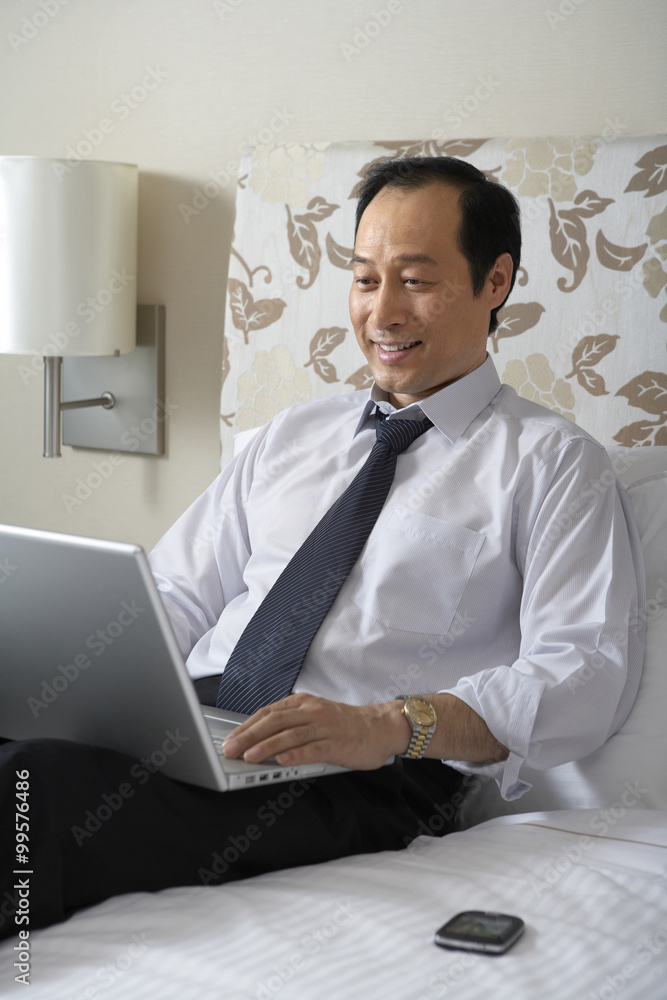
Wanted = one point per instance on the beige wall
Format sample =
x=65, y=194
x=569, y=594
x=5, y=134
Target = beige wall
x=225, y=72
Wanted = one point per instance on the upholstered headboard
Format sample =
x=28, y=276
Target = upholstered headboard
x=584, y=331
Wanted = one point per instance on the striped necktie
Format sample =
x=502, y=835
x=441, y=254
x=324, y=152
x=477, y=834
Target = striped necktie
x=267, y=658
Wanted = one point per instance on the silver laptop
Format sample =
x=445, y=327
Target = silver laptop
x=87, y=654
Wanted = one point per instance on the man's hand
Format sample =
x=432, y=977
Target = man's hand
x=303, y=729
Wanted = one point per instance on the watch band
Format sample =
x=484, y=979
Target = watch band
x=420, y=740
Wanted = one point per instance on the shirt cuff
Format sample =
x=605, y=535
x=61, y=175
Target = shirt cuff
x=507, y=701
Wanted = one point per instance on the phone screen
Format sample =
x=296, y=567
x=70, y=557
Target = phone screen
x=489, y=926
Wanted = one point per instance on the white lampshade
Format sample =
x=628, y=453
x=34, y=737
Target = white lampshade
x=68, y=256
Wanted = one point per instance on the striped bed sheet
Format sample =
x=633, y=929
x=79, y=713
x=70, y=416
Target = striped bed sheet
x=591, y=886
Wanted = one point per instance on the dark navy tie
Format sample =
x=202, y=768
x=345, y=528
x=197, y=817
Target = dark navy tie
x=267, y=659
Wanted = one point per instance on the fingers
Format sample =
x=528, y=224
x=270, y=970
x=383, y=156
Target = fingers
x=304, y=729
x=272, y=729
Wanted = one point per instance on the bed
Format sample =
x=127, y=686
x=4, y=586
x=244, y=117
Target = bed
x=582, y=857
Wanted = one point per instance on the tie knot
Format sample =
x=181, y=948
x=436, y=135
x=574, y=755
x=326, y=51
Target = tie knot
x=399, y=434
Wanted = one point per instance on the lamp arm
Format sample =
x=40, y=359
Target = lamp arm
x=53, y=405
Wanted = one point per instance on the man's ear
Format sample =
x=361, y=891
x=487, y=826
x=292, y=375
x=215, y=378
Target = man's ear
x=499, y=280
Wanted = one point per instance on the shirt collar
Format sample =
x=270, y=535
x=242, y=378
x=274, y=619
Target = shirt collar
x=451, y=409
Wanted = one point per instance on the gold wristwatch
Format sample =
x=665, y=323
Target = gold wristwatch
x=421, y=715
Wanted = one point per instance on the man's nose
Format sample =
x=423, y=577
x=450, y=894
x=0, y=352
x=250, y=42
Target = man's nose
x=389, y=307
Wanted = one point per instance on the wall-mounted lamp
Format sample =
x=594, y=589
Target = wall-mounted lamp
x=68, y=264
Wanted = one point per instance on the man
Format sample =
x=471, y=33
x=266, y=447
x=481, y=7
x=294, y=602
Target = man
x=502, y=569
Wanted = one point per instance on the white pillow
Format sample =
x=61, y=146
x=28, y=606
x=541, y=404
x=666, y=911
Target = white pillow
x=633, y=464
x=632, y=765
x=649, y=502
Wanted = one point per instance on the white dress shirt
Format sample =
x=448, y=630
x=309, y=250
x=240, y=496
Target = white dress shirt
x=504, y=568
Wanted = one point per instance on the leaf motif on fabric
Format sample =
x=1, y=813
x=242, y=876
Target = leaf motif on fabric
x=248, y=315
x=251, y=274
x=652, y=177
x=302, y=237
x=568, y=244
x=647, y=391
x=325, y=370
x=590, y=350
x=617, y=258
x=324, y=342
x=522, y=276
x=642, y=432
x=592, y=382
x=431, y=147
x=225, y=360
x=589, y=204
x=338, y=255
x=516, y=319
x=361, y=379
x=318, y=209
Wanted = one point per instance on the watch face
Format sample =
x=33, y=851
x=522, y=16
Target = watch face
x=421, y=711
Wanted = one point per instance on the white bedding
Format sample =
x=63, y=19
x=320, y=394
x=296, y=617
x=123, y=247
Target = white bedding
x=591, y=886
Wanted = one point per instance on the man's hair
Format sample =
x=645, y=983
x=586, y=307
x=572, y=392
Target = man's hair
x=490, y=215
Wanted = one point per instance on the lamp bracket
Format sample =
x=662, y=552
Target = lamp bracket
x=129, y=411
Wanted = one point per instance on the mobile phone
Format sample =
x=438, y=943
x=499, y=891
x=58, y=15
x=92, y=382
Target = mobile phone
x=479, y=930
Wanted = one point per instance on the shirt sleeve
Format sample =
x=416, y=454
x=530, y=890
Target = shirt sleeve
x=198, y=564
x=582, y=637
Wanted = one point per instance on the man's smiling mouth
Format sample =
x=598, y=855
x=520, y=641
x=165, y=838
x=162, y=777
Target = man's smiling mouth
x=396, y=347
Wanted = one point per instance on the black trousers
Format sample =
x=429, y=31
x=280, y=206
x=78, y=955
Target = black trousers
x=99, y=826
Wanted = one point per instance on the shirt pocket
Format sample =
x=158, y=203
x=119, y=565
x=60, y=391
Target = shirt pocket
x=413, y=573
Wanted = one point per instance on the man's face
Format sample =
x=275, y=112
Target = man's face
x=412, y=291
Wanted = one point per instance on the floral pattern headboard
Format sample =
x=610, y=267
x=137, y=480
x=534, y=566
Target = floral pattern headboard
x=584, y=331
